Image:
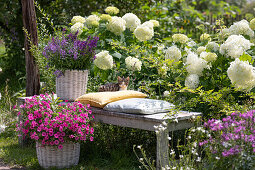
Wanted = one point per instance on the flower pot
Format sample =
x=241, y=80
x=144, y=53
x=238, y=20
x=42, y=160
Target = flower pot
x=51, y=156
x=72, y=84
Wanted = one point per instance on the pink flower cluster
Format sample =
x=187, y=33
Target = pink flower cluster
x=233, y=135
x=52, y=123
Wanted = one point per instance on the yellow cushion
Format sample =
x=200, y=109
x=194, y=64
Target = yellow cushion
x=100, y=99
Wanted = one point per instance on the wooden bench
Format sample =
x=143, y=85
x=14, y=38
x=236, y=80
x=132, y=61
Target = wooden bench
x=145, y=122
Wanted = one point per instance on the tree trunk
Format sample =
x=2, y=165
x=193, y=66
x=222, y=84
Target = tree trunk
x=32, y=72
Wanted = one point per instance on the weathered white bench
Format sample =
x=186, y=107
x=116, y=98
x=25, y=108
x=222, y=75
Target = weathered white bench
x=145, y=122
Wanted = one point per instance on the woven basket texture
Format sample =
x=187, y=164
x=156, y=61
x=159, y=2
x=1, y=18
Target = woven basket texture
x=51, y=156
x=72, y=84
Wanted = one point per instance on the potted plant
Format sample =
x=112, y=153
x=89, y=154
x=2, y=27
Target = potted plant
x=71, y=58
x=57, y=129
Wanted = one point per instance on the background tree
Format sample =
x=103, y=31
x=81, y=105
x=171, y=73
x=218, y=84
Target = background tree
x=32, y=72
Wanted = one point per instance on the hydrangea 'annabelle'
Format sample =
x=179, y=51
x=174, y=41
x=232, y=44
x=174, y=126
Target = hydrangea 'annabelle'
x=144, y=33
x=112, y=10
x=192, y=81
x=173, y=53
x=117, y=25
x=92, y=21
x=133, y=63
x=241, y=27
x=195, y=65
x=180, y=38
x=235, y=46
x=132, y=21
x=241, y=74
x=104, y=60
x=77, y=27
x=76, y=19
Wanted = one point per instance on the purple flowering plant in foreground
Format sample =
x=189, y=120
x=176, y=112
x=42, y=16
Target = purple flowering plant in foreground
x=70, y=53
x=232, y=140
x=47, y=121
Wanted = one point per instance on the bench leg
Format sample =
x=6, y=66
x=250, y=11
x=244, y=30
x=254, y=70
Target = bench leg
x=162, y=149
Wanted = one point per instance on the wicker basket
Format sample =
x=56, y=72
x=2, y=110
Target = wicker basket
x=72, y=84
x=51, y=156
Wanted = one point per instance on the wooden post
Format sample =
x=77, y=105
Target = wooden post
x=32, y=72
x=162, y=149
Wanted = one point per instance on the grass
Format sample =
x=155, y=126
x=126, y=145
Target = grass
x=91, y=156
x=2, y=48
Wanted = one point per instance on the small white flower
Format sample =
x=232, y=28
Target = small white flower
x=181, y=156
x=217, y=158
x=174, y=167
x=198, y=159
x=169, y=138
x=141, y=159
x=189, y=137
x=155, y=127
x=139, y=147
x=172, y=152
x=157, y=132
x=166, y=93
x=164, y=123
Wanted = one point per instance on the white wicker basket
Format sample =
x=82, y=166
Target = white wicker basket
x=51, y=156
x=72, y=84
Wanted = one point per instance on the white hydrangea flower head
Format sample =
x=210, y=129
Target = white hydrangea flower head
x=192, y=81
x=92, y=21
x=241, y=74
x=148, y=24
x=143, y=33
x=252, y=24
x=173, y=53
x=104, y=60
x=208, y=56
x=205, y=37
x=195, y=65
x=76, y=19
x=191, y=43
x=106, y=17
x=212, y=46
x=133, y=63
x=132, y=21
x=180, y=38
x=155, y=23
x=112, y=10
x=117, y=25
x=201, y=49
x=235, y=46
x=241, y=27
x=77, y=27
